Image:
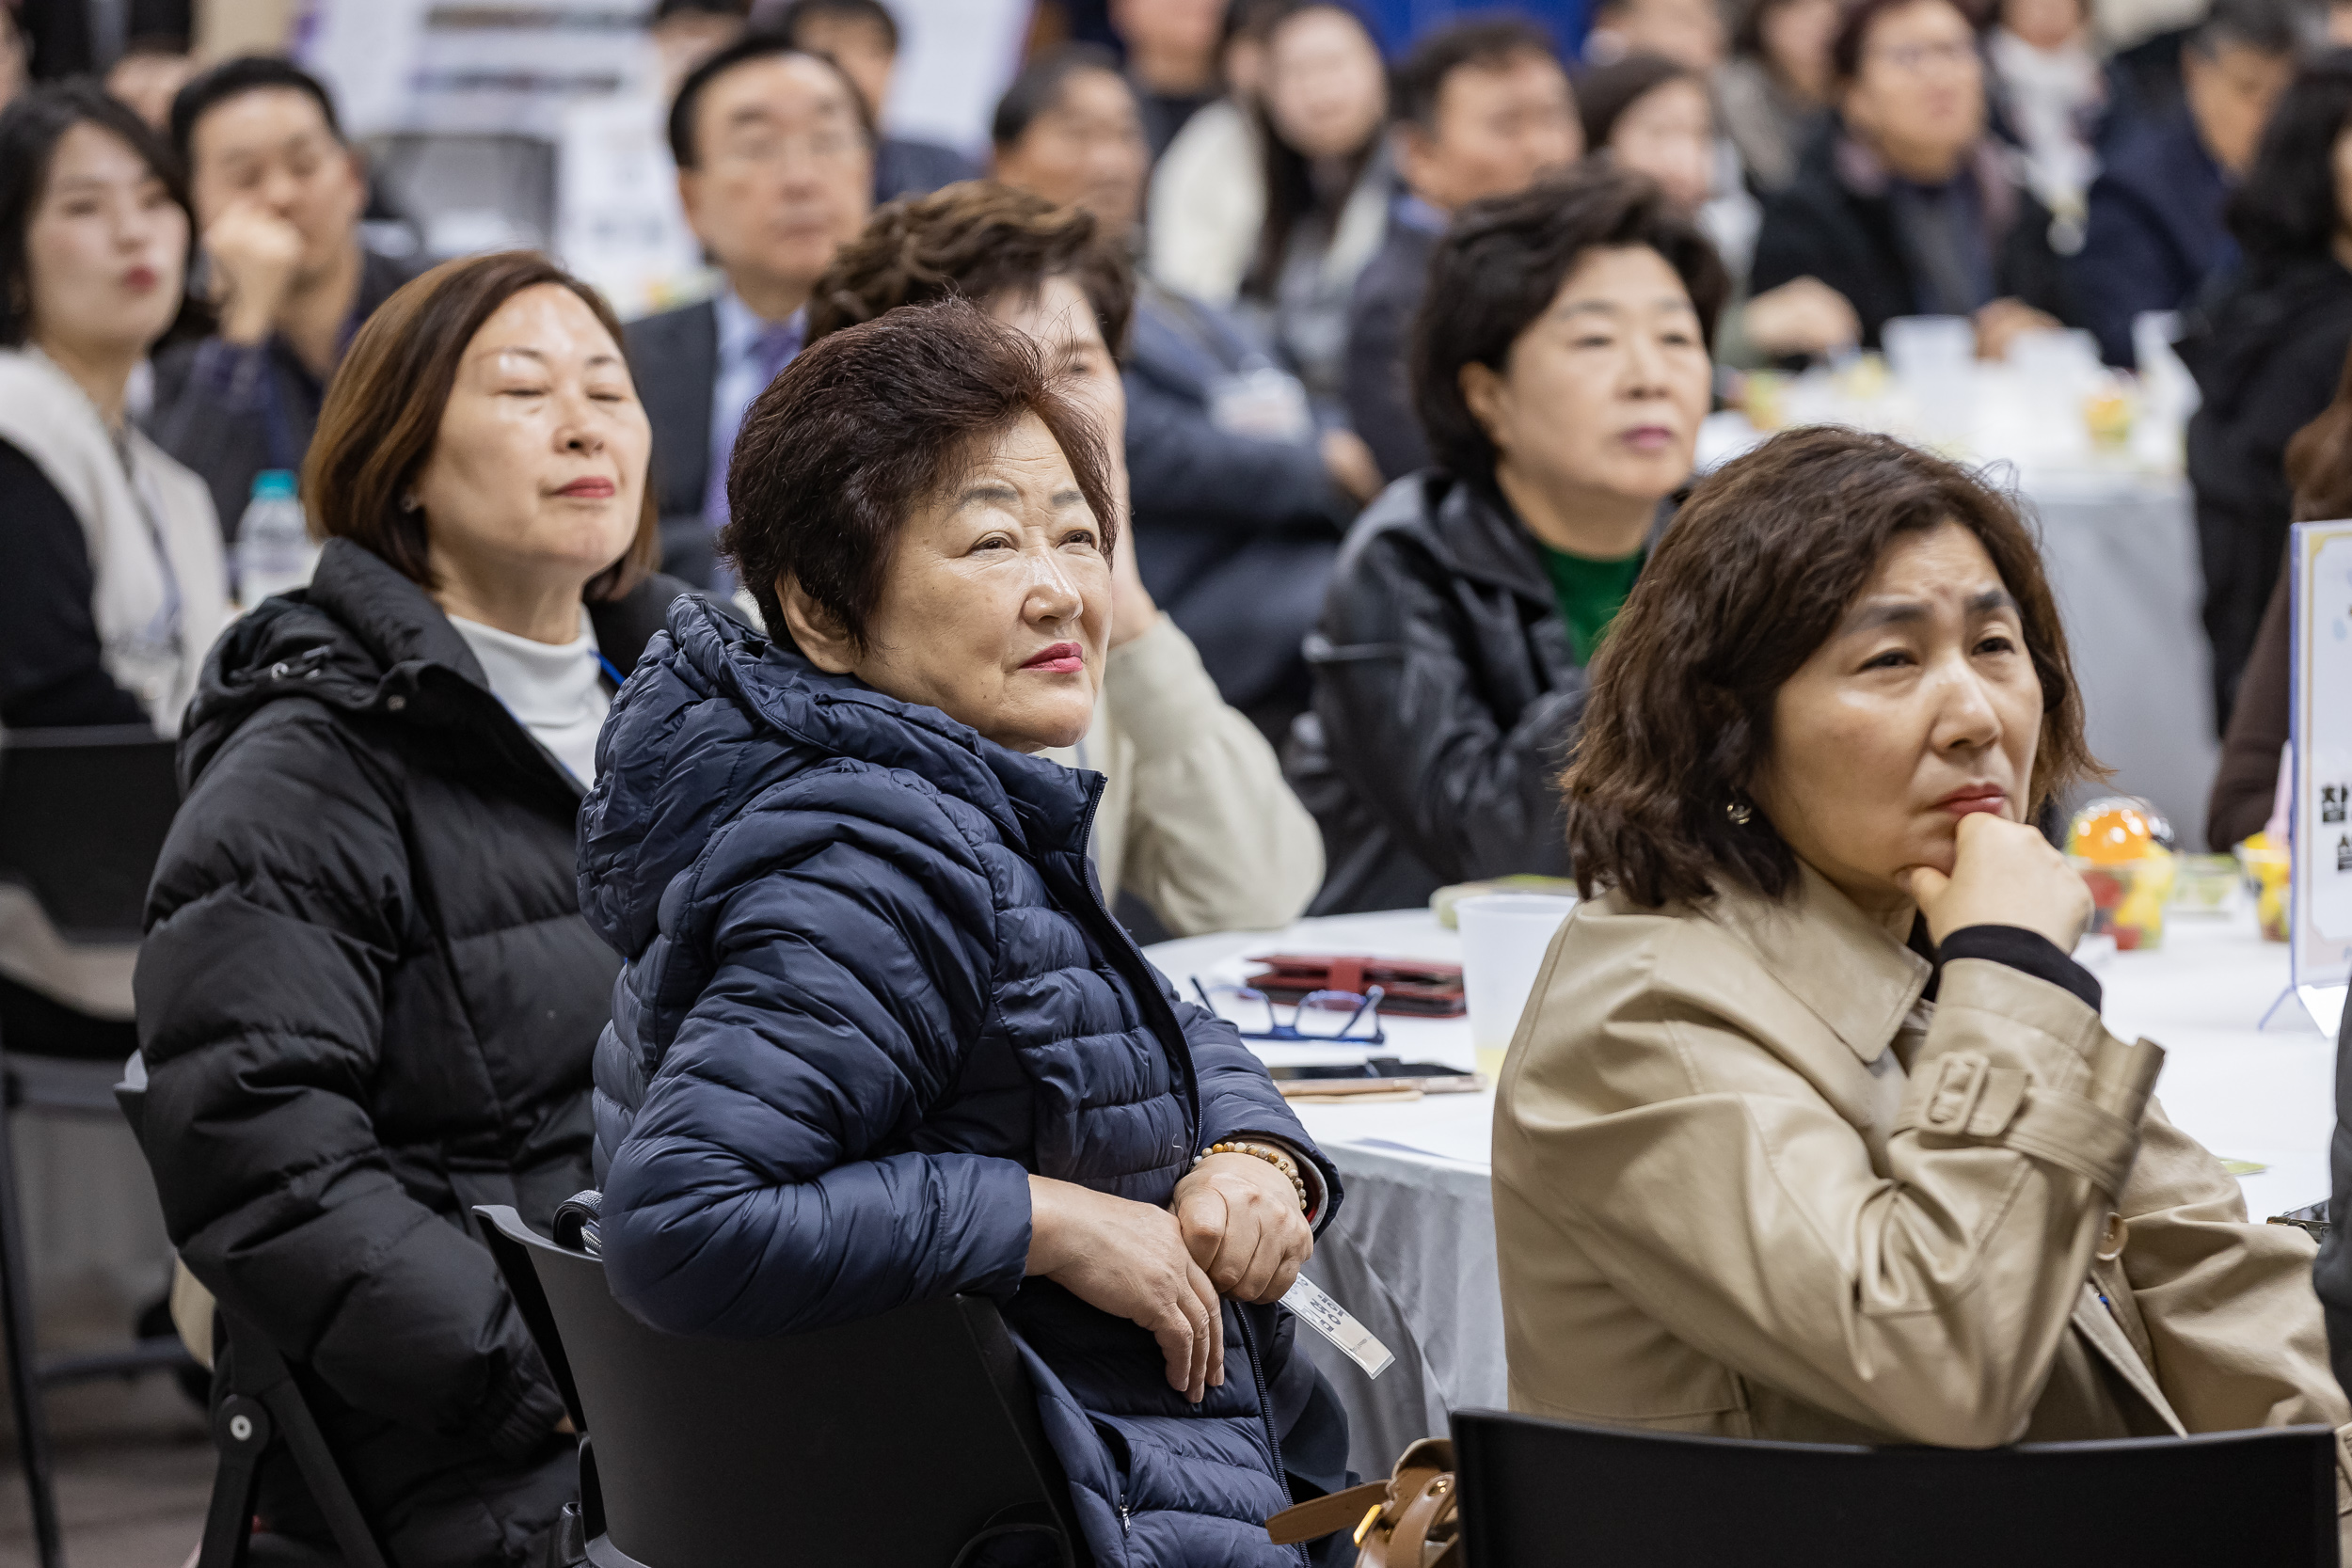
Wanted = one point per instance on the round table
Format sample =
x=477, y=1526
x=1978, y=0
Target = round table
x=1412, y=1252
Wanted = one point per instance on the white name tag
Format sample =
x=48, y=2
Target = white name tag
x=1318, y=1311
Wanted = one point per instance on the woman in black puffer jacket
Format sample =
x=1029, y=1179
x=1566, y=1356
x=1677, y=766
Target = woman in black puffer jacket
x=367, y=999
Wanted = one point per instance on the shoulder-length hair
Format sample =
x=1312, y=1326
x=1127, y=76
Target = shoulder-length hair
x=384, y=408
x=30, y=129
x=2285, y=209
x=1752, y=576
x=1293, y=207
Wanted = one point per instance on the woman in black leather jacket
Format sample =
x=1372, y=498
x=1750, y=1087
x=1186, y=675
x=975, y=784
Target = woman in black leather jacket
x=1561, y=368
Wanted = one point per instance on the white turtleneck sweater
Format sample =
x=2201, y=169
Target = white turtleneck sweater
x=554, y=690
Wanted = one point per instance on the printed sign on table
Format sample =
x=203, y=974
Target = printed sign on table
x=2320, y=724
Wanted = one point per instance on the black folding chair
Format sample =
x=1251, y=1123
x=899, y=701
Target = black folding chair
x=1538, y=1494
x=262, y=1411
x=82, y=816
x=911, y=1439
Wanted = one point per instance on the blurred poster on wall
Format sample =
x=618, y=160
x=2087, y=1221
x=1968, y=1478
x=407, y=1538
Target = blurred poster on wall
x=458, y=66
x=955, y=59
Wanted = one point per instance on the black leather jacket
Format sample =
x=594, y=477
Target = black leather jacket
x=1446, y=693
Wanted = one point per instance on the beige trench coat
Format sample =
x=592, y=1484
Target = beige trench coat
x=1747, y=1182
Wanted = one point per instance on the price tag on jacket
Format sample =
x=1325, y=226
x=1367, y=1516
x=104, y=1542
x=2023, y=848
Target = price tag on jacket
x=1318, y=1311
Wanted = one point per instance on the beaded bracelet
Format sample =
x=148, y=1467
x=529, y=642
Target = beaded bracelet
x=1267, y=1152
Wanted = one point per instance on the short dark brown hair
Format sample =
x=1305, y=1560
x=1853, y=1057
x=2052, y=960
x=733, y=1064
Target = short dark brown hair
x=383, y=411
x=1846, y=46
x=1501, y=265
x=864, y=426
x=1487, y=43
x=977, y=240
x=1752, y=577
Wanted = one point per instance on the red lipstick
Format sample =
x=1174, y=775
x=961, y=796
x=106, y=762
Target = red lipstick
x=1057, y=659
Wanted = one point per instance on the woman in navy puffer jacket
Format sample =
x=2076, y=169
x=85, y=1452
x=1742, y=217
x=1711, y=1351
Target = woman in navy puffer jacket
x=877, y=1039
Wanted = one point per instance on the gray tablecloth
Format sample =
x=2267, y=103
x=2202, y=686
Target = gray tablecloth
x=1412, y=1255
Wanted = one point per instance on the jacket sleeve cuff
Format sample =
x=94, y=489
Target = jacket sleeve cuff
x=2029, y=951
x=2024, y=1064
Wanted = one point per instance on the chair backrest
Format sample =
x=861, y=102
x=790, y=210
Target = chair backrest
x=894, y=1440
x=1537, y=1494
x=82, y=816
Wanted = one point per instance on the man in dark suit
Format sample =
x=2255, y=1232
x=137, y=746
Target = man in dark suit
x=1482, y=108
x=775, y=160
x=863, y=36
x=2155, y=233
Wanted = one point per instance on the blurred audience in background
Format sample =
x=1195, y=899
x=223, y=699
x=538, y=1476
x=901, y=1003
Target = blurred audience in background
x=863, y=39
x=1560, y=364
x=278, y=196
x=149, y=74
x=2267, y=348
x=1689, y=32
x=1327, y=184
x=775, y=164
x=2048, y=89
x=1195, y=819
x=2155, y=232
x=114, y=585
x=1172, y=49
x=685, y=33
x=2245, y=786
x=1240, y=492
x=1902, y=204
x=1774, y=93
x=1650, y=114
x=1653, y=115
x=1480, y=108
x=1208, y=188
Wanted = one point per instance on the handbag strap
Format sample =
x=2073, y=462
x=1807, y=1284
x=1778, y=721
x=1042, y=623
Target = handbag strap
x=1320, y=1516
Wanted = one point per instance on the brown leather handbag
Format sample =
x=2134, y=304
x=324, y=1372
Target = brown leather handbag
x=1406, y=1521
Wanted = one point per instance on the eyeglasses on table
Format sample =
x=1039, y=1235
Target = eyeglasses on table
x=1310, y=1015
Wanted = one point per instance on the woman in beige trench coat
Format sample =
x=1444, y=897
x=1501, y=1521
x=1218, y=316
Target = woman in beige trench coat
x=1812, y=1130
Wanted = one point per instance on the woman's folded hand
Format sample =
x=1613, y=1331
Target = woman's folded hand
x=1240, y=1219
x=1130, y=1258
x=2003, y=874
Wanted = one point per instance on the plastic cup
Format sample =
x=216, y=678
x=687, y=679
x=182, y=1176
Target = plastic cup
x=1505, y=938
x=1935, y=359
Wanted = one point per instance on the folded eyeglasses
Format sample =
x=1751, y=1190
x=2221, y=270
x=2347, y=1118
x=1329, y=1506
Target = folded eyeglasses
x=1318, y=1018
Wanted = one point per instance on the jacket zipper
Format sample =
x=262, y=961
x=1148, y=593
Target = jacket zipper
x=1265, y=1407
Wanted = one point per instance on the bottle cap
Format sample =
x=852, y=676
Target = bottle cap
x=274, y=484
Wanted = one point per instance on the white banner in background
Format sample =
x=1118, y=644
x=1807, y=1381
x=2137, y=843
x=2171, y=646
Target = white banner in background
x=2320, y=724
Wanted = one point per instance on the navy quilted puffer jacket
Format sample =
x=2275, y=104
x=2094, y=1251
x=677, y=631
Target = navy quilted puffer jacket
x=870, y=988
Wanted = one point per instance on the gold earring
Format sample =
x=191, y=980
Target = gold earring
x=1740, y=813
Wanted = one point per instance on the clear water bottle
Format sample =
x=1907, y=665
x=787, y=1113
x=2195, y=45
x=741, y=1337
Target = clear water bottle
x=274, y=549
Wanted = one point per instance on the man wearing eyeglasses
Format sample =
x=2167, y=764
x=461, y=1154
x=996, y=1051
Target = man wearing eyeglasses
x=775, y=169
x=1904, y=205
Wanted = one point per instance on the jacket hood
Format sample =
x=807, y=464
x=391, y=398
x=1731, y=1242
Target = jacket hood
x=361, y=639
x=717, y=714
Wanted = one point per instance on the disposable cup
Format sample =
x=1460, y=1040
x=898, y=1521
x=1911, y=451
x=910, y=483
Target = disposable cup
x=1505, y=937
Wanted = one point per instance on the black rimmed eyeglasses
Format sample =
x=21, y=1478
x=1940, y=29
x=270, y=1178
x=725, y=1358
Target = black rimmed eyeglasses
x=1318, y=1018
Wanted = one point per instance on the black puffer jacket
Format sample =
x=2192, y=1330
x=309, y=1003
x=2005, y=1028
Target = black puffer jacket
x=1446, y=694
x=2267, y=350
x=366, y=1002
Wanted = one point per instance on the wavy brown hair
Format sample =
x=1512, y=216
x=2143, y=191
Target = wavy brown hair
x=384, y=407
x=979, y=240
x=1754, y=573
